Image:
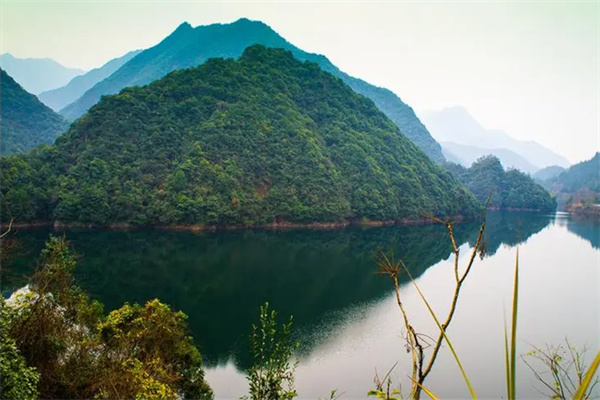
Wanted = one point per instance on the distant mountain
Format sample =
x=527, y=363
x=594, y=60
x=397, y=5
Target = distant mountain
x=24, y=121
x=261, y=140
x=37, y=74
x=455, y=124
x=65, y=95
x=510, y=189
x=467, y=155
x=547, y=173
x=187, y=47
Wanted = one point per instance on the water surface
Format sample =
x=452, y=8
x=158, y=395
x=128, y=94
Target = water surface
x=345, y=314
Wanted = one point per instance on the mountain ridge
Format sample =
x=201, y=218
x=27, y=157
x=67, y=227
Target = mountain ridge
x=187, y=47
x=36, y=75
x=455, y=124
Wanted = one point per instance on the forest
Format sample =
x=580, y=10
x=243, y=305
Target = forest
x=263, y=139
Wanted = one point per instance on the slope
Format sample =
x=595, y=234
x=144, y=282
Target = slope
x=24, y=121
x=455, y=124
x=37, y=74
x=509, y=189
x=57, y=99
x=261, y=140
x=187, y=47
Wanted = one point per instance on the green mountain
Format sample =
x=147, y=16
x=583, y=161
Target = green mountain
x=24, y=121
x=59, y=98
x=510, y=189
x=584, y=175
x=578, y=188
x=260, y=140
x=188, y=47
x=37, y=74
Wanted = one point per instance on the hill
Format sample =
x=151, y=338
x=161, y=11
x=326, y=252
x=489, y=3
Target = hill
x=265, y=139
x=188, y=47
x=24, y=121
x=510, y=189
x=455, y=124
x=37, y=74
x=467, y=155
x=57, y=99
x=578, y=188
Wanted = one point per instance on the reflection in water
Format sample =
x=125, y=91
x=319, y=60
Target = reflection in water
x=587, y=228
x=322, y=278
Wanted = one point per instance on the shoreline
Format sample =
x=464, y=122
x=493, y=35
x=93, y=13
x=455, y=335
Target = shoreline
x=283, y=225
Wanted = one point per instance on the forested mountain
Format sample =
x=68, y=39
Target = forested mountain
x=37, y=74
x=510, y=189
x=466, y=155
x=187, y=47
x=260, y=140
x=455, y=124
x=578, y=188
x=584, y=175
x=59, y=98
x=24, y=121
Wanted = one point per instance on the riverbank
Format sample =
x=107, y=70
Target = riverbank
x=279, y=225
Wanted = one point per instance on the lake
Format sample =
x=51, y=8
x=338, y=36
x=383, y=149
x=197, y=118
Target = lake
x=345, y=314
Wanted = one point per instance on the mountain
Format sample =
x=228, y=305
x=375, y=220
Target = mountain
x=37, y=74
x=510, y=189
x=65, y=95
x=261, y=140
x=584, y=175
x=467, y=155
x=455, y=124
x=24, y=121
x=188, y=47
x=547, y=173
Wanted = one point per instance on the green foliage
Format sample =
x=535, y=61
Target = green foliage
x=272, y=375
x=18, y=380
x=25, y=122
x=260, y=140
x=585, y=175
x=510, y=189
x=134, y=352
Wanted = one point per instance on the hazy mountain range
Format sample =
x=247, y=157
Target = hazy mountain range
x=37, y=74
x=187, y=47
x=65, y=95
x=465, y=139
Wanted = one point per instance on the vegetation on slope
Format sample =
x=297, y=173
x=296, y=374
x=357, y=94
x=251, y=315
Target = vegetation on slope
x=510, y=189
x=255, y=141
x=189, y=47
x=578, y=188
x=62, y=346
x=24, y=121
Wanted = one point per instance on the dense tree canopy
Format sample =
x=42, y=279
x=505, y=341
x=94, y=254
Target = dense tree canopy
x=262, y=139
x=24, y=121
x=510, y=189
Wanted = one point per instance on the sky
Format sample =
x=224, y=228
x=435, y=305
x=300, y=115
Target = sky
x=530, y=68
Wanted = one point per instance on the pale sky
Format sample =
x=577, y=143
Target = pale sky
x=529, y=68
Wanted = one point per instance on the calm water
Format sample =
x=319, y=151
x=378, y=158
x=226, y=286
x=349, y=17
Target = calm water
x=345, y=314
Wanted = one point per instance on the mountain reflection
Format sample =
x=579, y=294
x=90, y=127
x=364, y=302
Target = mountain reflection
x=220, y=279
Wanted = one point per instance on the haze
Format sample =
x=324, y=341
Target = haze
x=529, y=68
